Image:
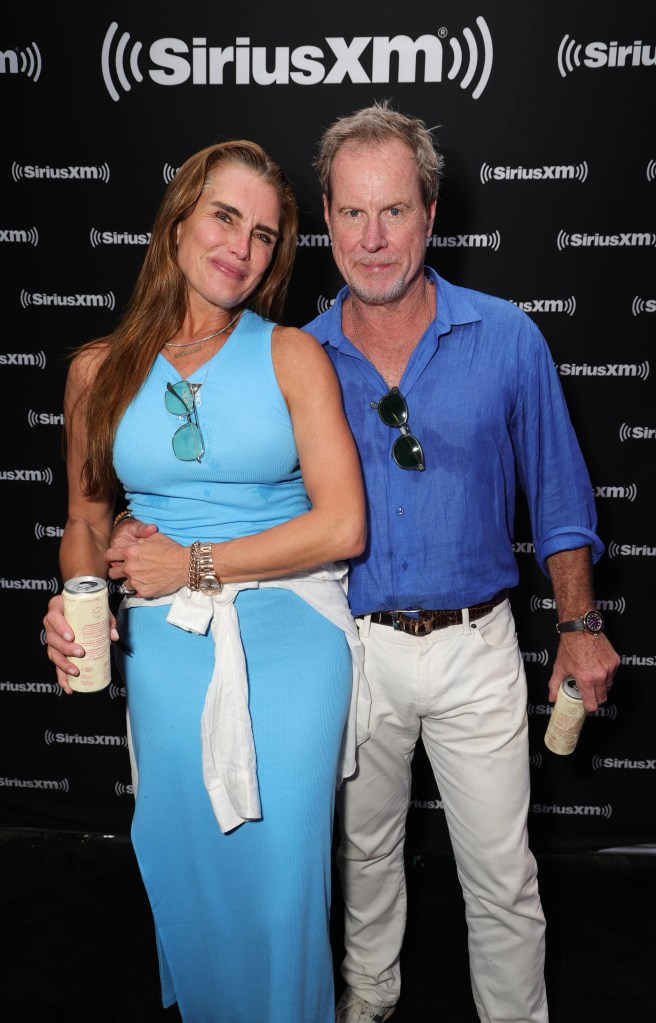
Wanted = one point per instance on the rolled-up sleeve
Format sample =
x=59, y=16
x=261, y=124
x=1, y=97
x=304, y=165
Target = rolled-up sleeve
x=551, y=469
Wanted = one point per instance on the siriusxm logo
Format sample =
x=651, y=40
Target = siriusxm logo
x=549, y=604
x=48, y=532
x=24, y=236
x=39, y=298
x=117, y=238
x=576, y=811
x=643, y=305
x=630, y=550
x=608, y=711
x=324, y=304
x=573, y=369
x=313, y=241
x=623, y=763
x=48, y=784
x=19, y=61
x=45, y=418
x=27, y=476
x=535, y=657
x=361, y=60
x=627, y=493
x=38, y=688
x=23, y=359
x=47, y=585
x=603, y=55
x=84, y=740
x=32, y=172
x=426, y=804
x=465, y=241
x=545, y=172
x=637, y=432
x=637, y=661
x=627, y=239
x=547, y=305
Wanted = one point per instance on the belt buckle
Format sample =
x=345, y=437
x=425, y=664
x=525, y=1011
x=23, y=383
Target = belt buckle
x=426, y=624
x=421, y=626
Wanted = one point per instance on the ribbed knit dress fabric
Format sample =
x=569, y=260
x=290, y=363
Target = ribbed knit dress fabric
x=241, y=918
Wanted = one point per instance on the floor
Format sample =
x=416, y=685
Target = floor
x=79, y=942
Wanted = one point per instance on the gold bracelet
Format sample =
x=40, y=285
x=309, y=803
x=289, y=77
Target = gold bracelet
x=127, y=514
x=193, y=576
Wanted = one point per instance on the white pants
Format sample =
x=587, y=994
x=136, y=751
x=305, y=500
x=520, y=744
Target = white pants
x=463, y=688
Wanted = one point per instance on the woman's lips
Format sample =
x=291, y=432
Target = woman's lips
x=230, y=271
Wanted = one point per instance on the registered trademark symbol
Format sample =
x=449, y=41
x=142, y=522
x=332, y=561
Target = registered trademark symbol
x=442, y=32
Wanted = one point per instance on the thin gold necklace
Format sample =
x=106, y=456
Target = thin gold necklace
x=197, y=345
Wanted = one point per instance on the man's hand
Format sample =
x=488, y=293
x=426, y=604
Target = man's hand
x=591, y=660
x=128, y=531
x=149, y=563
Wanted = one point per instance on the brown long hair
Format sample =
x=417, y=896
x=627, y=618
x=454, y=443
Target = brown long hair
x=159, y=301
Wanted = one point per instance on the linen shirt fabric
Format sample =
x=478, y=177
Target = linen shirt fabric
x=486, y=403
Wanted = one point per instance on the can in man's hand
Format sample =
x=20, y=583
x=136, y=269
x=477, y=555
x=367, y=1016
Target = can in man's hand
x=566, y=719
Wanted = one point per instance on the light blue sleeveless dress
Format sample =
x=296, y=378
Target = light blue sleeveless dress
x=241, y=918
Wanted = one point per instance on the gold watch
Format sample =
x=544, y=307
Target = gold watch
x=208, y=581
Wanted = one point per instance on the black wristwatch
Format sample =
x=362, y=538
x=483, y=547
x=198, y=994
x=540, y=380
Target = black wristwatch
x=591, y=621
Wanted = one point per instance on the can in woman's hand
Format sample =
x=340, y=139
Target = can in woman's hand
x=86, y=609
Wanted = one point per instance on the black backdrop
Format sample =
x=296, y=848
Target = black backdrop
x=545, y=117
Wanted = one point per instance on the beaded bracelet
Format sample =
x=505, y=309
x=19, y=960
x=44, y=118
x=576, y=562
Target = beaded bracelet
x=127, y=514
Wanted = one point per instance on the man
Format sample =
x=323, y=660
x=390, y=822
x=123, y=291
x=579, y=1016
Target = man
x=452, y=397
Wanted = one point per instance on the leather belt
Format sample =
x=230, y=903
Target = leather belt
x=430, y=621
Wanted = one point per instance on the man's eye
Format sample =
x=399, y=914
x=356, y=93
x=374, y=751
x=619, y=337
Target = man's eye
x=395, y=211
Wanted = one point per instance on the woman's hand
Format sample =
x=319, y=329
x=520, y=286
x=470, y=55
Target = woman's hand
x=150, y=563
x=61, y=641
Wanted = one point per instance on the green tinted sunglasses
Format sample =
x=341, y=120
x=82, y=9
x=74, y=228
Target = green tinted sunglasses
x=180, y=400
x=393, y=410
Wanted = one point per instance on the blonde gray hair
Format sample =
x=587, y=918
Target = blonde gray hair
x=373, y=126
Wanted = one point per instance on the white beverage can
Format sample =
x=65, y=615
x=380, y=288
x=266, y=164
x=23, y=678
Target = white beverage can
x=566, y=719
x=86, y=609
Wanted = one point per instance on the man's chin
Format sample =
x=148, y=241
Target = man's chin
x=378, y=292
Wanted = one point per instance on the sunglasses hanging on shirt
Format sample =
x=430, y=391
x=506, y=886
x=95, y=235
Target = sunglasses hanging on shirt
x=393, y=410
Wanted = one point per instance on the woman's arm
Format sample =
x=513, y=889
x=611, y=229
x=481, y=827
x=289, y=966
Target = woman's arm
x=88, y=525
x=333, y=529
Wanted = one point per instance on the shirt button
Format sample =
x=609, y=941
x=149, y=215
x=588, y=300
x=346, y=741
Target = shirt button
x=404, y=564
x=400, y=511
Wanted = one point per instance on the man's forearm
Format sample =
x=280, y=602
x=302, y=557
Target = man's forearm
x=571, y=578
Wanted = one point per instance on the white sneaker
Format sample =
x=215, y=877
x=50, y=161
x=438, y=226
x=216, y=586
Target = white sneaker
x=353, y=1009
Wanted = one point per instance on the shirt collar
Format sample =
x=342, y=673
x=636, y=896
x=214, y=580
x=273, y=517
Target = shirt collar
x=453, y=309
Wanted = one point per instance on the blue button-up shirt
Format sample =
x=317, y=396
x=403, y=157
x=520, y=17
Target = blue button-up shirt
x=486, y=403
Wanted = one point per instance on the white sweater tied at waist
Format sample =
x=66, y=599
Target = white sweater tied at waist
x=228, y=748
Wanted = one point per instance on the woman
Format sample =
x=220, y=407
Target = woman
x=227, y=434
